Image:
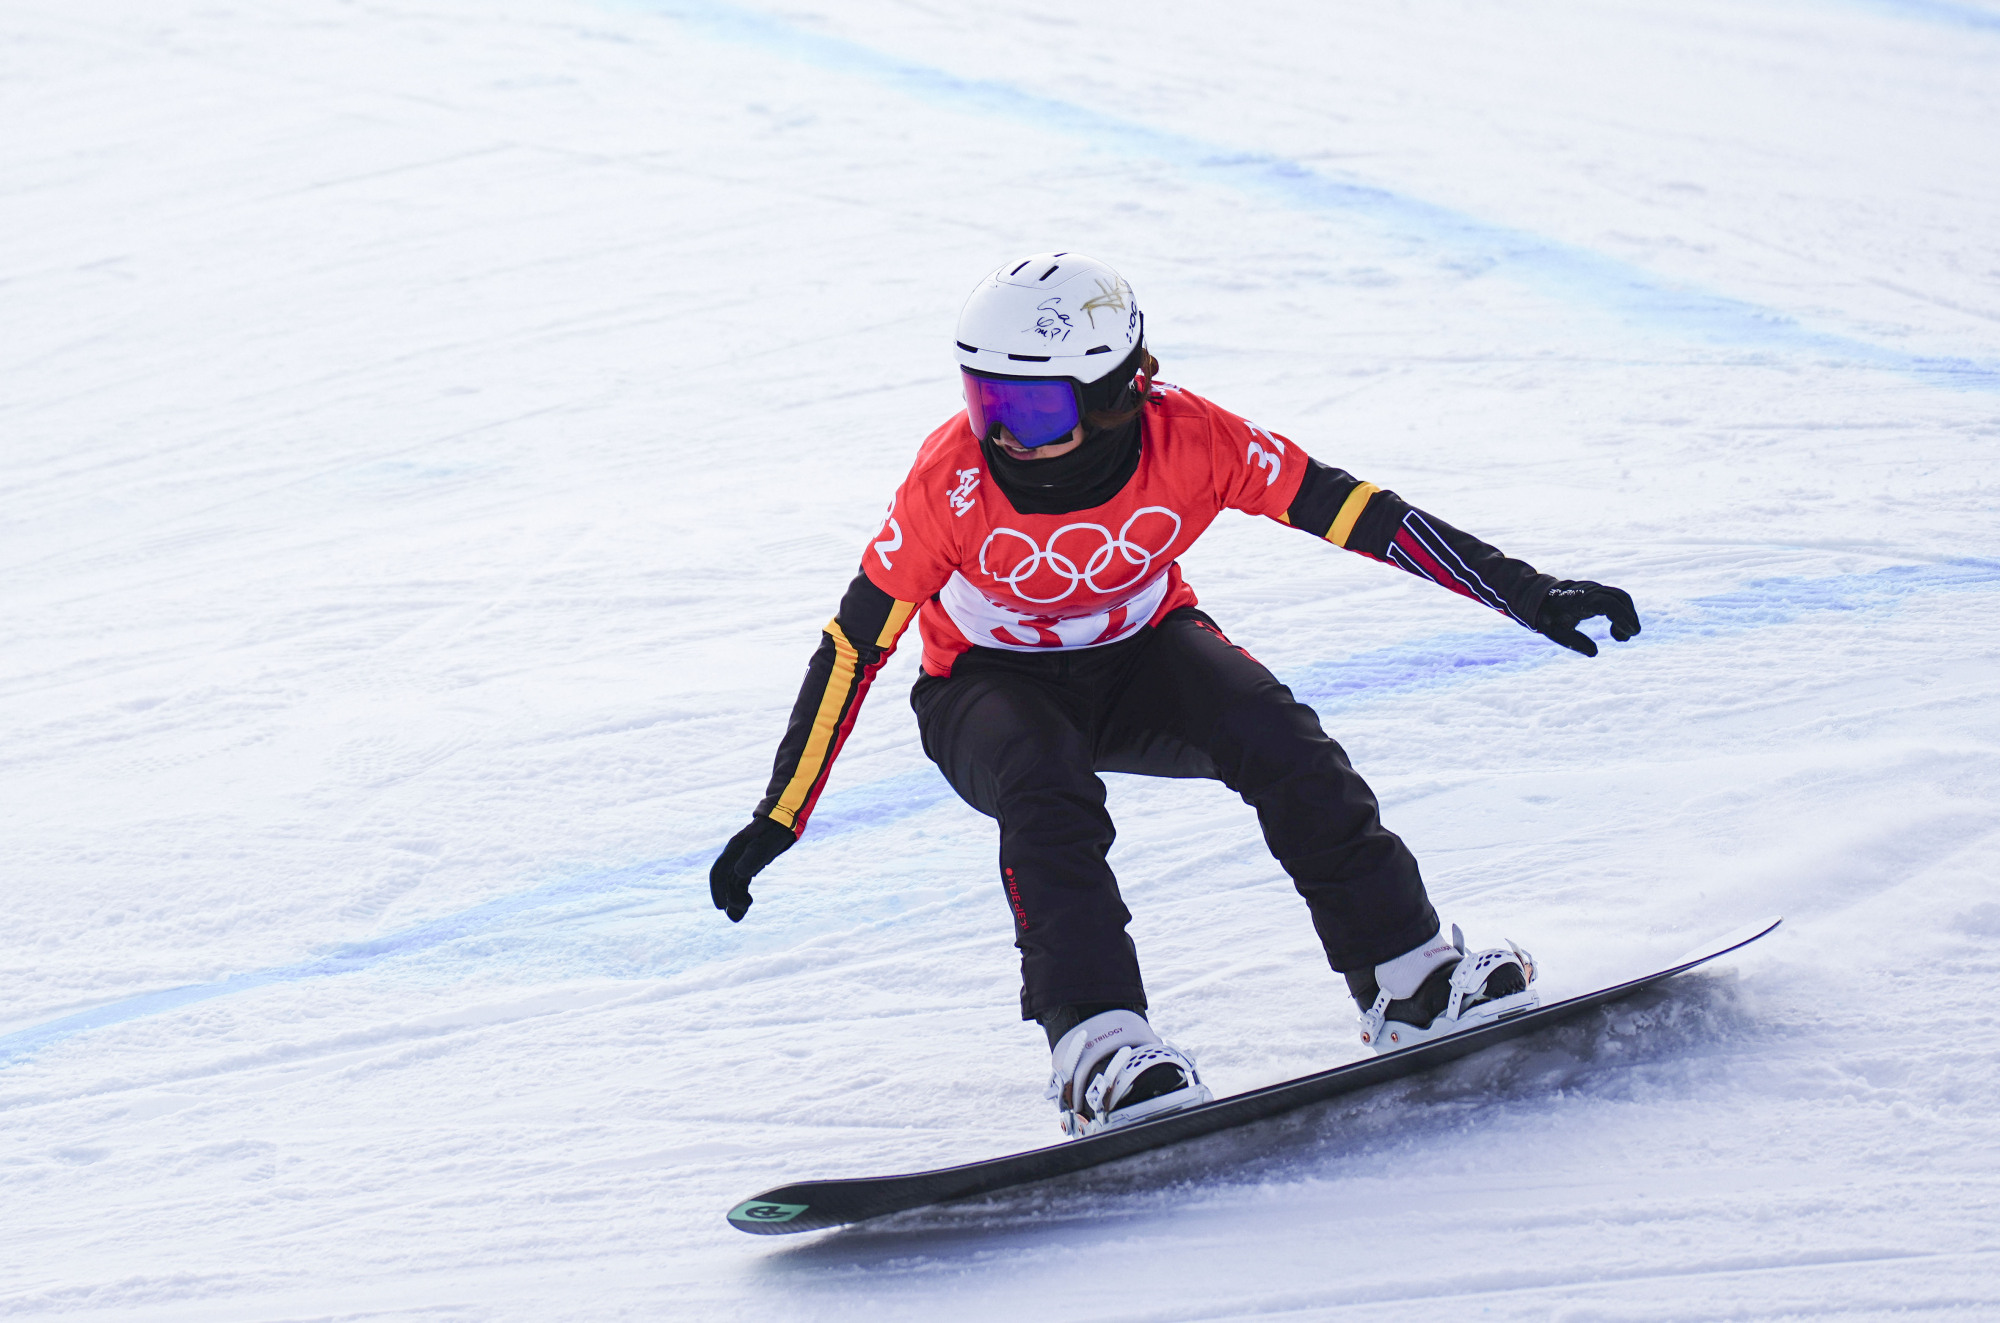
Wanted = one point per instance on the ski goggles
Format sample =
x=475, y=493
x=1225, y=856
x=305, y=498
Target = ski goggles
x=1034, y=410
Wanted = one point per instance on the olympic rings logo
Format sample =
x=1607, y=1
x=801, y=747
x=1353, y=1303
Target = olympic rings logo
x=1060, y=559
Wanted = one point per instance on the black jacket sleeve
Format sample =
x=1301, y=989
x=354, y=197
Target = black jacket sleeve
x=852, y=648
x=1361, y=517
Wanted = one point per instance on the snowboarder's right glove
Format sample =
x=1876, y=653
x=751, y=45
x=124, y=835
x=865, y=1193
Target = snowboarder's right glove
x=1571, y=601
x=742, y=859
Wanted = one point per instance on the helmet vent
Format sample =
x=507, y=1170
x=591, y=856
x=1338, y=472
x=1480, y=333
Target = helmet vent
x=1046, y=274
x=1029, y=358
x=1101, y=349
x=973, y=349
x=1017, y=270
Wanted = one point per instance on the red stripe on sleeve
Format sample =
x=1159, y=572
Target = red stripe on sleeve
x=1407, y=543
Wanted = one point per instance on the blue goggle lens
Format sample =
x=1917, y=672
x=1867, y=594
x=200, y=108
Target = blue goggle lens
x=1034, y=413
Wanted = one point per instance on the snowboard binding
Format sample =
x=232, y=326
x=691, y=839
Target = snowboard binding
x=1112, y=1070
x=1478, y=988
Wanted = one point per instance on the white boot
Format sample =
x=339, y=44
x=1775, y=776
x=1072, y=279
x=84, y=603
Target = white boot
x=1112, y=1070
x=1437, y=990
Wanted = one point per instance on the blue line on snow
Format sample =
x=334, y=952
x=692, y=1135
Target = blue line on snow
x=1424, y=664
x=1939, y=11
x=1571, y=272
x=343, y=959
x=1451, y=659
x=862, y=807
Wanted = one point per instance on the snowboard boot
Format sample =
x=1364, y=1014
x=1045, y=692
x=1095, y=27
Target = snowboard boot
x=1441, y=989
x=1112, y=1070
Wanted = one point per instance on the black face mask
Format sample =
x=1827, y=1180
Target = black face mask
x=1088, y=476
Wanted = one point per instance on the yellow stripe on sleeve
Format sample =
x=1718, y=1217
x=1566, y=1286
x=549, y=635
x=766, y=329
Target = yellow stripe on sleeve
x=1350, y=514
x=892, y=628
x=825, y=722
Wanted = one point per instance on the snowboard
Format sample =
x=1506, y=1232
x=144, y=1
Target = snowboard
x=813, y=1205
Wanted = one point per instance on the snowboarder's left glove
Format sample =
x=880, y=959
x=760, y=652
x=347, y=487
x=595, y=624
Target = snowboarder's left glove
x=1572, y=601
x=742, y=859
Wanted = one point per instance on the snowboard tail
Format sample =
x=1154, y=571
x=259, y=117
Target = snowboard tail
x=813, y=1205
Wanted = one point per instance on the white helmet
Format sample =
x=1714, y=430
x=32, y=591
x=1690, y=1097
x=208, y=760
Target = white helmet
x=1050, y=315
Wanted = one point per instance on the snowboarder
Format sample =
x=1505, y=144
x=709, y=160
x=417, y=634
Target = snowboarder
x=1035, y=542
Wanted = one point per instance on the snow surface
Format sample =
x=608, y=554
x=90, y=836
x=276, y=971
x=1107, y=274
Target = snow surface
x=435, y=431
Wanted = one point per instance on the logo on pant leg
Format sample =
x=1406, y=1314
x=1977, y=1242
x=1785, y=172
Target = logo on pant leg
x=1014, y=900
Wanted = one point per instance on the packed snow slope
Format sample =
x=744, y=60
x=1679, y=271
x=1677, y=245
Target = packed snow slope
x=433, y=434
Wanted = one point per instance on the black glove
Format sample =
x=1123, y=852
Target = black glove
x=1575, y=600
x=742, y=859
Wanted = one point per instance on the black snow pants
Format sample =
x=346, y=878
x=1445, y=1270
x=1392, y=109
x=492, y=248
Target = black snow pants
x=1021, y=736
